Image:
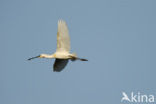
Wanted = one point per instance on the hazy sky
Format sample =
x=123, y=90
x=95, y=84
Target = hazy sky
x=118, y=37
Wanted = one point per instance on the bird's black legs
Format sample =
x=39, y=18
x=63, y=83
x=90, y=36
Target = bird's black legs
x=81, y=59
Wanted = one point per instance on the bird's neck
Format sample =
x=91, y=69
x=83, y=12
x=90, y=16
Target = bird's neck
x=47, y=56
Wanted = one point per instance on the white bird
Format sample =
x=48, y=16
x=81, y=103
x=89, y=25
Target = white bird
x=62, y=54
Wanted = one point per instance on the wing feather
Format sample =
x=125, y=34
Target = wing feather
x=63, y=39
x=60, y=64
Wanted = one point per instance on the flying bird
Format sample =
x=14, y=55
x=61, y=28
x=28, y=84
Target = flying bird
x=62, y=54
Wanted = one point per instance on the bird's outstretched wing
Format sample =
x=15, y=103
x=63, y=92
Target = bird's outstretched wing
x=63, y=39
x=59, y=64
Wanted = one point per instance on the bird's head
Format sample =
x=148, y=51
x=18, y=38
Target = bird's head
x=39, y=56
x=43, y=56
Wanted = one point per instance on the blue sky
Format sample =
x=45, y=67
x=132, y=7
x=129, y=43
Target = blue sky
x=116, y=36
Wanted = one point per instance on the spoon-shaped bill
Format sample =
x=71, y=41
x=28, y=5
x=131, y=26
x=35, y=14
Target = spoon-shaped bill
x=34, y=57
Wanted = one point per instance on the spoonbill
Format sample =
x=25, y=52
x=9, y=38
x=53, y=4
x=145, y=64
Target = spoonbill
x=62, y=54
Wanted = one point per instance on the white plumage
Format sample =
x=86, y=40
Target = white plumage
x=62, y=54
x=63, y=39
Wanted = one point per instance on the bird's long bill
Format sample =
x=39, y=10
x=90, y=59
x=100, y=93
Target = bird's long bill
x=34, y=57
